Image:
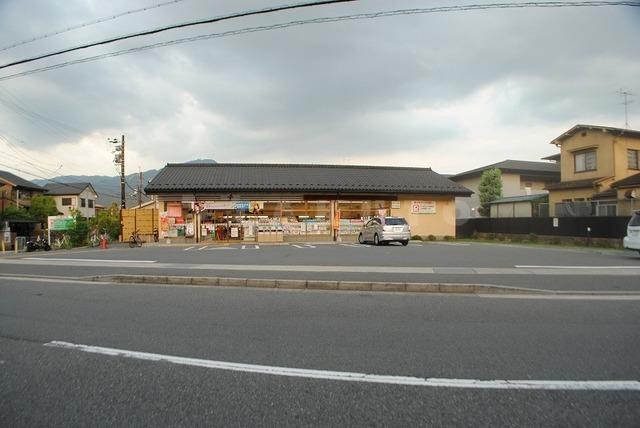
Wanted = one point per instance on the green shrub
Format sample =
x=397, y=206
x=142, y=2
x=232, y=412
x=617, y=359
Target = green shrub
x=416, y=238
x=431, y=238
x=449, y=238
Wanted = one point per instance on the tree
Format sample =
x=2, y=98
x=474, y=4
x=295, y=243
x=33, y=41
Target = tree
x=490, y=189
x=42, y=207
x=79, y=232
x=12, y=212
x=108, y=220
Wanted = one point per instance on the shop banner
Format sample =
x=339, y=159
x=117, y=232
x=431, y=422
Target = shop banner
x=227, y=205
x=60, y=223
x=423, y=207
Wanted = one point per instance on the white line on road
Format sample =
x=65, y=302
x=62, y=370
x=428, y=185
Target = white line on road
x=297, y=246
x=574, y=267
x=309, y=246
x=580, y=385
x=189, y=248
x=244, y=247
x=89, y=260
x=202, y=248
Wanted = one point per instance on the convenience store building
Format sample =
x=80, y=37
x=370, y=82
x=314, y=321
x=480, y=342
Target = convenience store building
x=280, y=203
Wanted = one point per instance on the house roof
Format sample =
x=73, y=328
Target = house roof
x=18, y=182
x=609, y=193
x=631, y=181
x=63, y=189
x=175, y=178
x=546, y=169
x=521, y=198
x=555, y=157
x=619, y=132
x=575, y=184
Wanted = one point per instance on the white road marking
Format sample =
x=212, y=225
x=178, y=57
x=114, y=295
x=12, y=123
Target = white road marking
x=579, y=385
x=221, y=248
x=244, y=247
x=89, y=260
x=352, y=245
x=309, y=246
x=189, y=248
x=574, y=267
x=601, y=296
x=297, y=246
x=202, y=248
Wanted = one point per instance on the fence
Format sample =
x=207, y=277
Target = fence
x=595, y=227
x=597, y=208
x=142, y=220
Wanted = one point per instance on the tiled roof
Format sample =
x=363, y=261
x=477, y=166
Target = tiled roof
x=619, y=132
x=633, y=180
x=521, y=198
x=300, y=178
x=610, y=193
x=575, y=184
x=548, y=169
x=18, y=182
x=60, y=189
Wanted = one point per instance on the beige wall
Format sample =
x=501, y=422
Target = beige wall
x=611, y=155
x=440, y=224
x=75, y=203
x=512, y=209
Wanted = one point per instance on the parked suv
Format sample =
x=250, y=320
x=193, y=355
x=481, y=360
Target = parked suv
x=632, y=240
x=384, y=230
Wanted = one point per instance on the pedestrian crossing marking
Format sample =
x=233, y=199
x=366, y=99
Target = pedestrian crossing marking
x=256, y=247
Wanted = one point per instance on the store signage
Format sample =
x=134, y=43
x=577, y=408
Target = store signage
x=61, y=223
x=395, y=205
x=227, y=205
x=423, y=207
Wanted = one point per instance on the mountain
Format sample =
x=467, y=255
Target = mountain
x=108, y=188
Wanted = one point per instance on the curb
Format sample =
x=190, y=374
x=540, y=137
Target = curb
x=302, y=284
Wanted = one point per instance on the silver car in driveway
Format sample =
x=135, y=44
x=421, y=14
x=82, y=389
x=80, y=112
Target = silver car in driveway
x=383, y=230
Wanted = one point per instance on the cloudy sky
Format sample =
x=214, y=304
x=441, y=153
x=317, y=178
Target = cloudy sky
x=451, y=91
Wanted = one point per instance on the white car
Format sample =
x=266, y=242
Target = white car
x=632, y=240
x=384, y=230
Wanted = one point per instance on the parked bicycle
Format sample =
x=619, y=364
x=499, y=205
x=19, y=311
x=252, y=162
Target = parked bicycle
x=62, y=242
x=135, y=240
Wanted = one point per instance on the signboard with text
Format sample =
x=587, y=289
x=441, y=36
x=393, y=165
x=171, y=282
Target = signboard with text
x=423, y=207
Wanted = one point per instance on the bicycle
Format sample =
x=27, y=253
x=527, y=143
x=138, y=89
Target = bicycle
x=61, y=243
x=94, y=241
x=135, y=240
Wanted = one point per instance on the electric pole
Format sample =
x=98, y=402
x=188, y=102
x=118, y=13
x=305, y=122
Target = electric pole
x=119, y=160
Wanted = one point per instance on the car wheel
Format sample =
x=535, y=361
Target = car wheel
x=376, y=240
x=405, y=243
x=360, y=239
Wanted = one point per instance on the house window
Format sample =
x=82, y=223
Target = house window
x=633, y=158
x=585, y=161
x=83, y=202
x=66, y=202
x=90, y=203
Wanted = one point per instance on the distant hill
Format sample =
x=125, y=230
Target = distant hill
x=108, y=188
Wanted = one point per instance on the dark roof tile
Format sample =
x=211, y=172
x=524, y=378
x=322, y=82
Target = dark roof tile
x=300, y=178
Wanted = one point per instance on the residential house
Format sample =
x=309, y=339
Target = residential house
x=17, y=191
x=594, y=163
x=519, y=178
x=73, y=196
x=628, y=189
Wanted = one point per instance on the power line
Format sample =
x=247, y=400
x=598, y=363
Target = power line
x=71, y=185
x=182, y=25
x=87, y=24
x=374, y=15
x=23, y=110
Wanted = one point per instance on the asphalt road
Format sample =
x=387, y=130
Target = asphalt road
x=425, y=336
x=548, y=268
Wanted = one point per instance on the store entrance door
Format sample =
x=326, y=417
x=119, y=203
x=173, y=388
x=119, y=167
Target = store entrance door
x=227, y=226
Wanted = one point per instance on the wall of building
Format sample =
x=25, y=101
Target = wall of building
x=85, y=211
x=512, y=185
x=569, y=194
x=511, y=209
x=601, y=142
x=622, y=144
x=440, y=224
